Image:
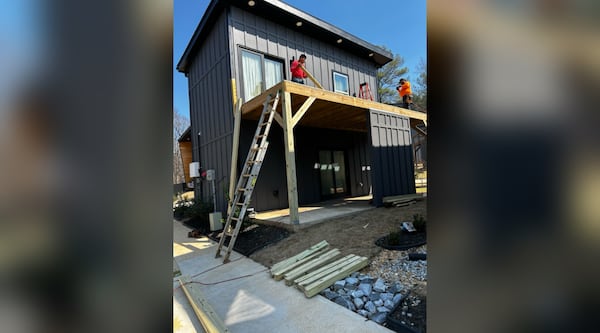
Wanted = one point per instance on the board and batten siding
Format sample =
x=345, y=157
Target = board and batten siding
x=260, y=35
x=391, y=151
x=209, y=83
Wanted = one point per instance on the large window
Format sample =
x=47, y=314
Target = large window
x=340, y=83
x=259, y=73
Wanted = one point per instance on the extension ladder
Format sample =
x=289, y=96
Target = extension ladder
x=365, y=92
x=248, y=176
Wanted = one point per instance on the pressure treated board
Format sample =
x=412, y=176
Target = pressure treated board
x=310, y=265
x=278, y=274
x=327, y=269
x=209, y=319
x=324, y=282
x=289, y=261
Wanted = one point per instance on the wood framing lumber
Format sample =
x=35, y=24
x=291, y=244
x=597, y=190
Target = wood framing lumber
x=289, y=261
x=278, y=275
x=209, y=319
x=311, y=77
x=278, y=119
x=237, y=114
x=302, y=110
x=310, y=265
x=404, y=197
x=327, y=269
x=290, y=158
x=324, y=282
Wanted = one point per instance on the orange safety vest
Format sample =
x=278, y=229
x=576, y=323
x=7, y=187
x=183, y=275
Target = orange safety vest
x=405, y=89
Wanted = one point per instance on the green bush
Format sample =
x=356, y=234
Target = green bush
x=419, y=222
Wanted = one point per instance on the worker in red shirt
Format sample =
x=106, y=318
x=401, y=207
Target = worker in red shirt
x=405, y=93
x=298, y=74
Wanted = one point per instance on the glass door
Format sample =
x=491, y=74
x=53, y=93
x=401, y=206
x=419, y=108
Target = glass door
x=333, y=173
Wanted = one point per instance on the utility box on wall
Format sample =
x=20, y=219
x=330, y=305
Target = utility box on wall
x=215, y=221
x=210, y=174
x=195, y=169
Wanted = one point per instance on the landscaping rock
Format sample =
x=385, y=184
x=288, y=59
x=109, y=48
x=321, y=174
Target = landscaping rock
x=378, y=302
x=396, y=288
x=343, y=302
x=369, y=306
x=354, y=275
x=366, y=288
x=383, y=309
x=349, y=287
x=386, y=296
x=379, y=286
x=330, y=294
x=388, y=304
x=379, y=317
x=374, y=296
x=357, y=293
x=359, y=303
x=363, y=313
x=339, y=284
x=351, y=281
x=397, y=298
x=365, y=279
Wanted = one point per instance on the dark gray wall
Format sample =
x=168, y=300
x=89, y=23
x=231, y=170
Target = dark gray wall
x=392, y=159
x=209, y=82
x=263, y=36
x=271, y=188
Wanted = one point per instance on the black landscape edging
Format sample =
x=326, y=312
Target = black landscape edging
x=381, y=242
x=395, y=324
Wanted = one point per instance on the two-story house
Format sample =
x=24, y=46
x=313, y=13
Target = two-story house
x=326, y=143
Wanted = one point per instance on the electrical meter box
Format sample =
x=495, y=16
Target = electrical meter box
x=210, y=174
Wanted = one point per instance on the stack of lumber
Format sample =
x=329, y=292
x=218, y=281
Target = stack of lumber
x=316, y=268
x=209, y=319
x=402, y=200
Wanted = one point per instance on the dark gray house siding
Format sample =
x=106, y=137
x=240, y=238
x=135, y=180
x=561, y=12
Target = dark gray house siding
x=258, y=34
x=391, y=151
x=211, y=113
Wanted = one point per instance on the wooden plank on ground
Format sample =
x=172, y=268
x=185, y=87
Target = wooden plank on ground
x=402, y=197
x=278, y=274
x=325, y=270
x=324, y=282
x=289, y=261
x=310, y=266
x=209, y=319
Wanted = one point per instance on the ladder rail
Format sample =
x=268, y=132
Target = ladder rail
x=248, y=176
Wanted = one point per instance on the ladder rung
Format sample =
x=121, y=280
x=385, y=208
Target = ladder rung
x=235, y=218
x=242, y=190
x=239, y=204
x=260, y=136
x=252, y=162
x=265, y=123
x=246, y=175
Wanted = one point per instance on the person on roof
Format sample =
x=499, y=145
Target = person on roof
x=405, y=93
x=298, y=74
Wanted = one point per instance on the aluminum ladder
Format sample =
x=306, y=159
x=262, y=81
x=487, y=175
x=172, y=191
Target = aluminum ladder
x=248, y=176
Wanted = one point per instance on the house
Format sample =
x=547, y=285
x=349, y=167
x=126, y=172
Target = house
x=327, y=143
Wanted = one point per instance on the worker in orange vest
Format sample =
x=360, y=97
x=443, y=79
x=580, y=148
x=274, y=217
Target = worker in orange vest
x=405, y=93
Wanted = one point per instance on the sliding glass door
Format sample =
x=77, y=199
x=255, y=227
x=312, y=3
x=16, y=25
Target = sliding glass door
x=259, y=72
x=333, y=173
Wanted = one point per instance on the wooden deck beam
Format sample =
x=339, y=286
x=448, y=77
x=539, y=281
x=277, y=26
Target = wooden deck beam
x=302, y=110
x=290, y=157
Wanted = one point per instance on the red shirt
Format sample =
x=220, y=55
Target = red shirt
x=297, y=70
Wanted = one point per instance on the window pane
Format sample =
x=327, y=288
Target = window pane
x=273, y=72
x=340, y=83
x=252, y=75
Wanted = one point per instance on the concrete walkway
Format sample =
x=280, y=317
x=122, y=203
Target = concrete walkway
x=255, y=303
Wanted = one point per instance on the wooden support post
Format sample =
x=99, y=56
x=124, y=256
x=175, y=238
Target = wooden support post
x=311, y=77
x=290, y=158
x=237, y=115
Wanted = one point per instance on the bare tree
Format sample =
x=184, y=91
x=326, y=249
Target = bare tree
x=180, y=124
x=420, y=91
x=388, y=77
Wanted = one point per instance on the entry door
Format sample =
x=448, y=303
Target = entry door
x=333, y=173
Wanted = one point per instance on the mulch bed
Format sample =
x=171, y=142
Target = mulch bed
x=253, y=237
x=405, y=241
x=409, y=316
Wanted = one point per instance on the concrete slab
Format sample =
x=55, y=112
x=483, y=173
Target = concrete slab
x=319, y=212
x=248, y=300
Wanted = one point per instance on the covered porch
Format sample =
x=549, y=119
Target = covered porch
x=312, y=107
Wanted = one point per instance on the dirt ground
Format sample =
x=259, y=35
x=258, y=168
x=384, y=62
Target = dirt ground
x=354, y=234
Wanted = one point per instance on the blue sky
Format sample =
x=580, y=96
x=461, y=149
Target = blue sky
x=398, y=24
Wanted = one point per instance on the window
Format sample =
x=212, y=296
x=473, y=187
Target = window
x=340, y=83
x=259, y=73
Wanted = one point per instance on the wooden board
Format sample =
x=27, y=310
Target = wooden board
x=406, y=197
x=209, y=319
x=310, y=266
x=325, y=270
x=340, y=272
x=289, y=261
x=278, y=274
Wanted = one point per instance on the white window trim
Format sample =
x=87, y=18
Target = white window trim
x=347, y=80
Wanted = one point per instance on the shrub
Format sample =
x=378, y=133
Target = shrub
x=419, y=222
x=182, y=207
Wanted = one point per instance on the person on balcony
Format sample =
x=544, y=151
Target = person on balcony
x=405, y=93
x=298, y=75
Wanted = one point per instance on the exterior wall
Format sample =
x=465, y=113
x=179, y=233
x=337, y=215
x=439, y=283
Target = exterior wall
x=209, y=82
x=271, y=188
x=263, y=36
x=392, y=157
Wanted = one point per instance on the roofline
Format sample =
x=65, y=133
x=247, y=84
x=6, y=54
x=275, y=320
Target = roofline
x=215, y=5
x=185, y=133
